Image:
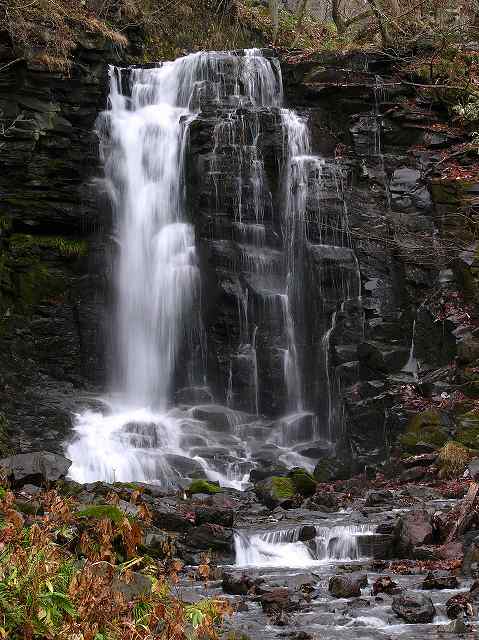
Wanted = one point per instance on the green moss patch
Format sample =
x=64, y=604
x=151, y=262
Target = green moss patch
x=303, y=481
x=203, y=486
x=4, y=448
x=467, y=433
x=282, y=488
x=102, y=511
x=424, y=427
x=68, y=248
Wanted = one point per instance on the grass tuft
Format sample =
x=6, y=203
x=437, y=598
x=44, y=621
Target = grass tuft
x=453, y=458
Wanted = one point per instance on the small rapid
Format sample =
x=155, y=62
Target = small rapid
x=287, y=548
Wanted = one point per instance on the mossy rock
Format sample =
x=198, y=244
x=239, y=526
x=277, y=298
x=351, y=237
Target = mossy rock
x=275, y=491
x=303, y=481
x=427, y=427
x=467, y=433
x=133, y=486
x=332, y=469
x=203, y=486
x=65, y=247
x=101, y=512
x=69, y=487
x=283, y=488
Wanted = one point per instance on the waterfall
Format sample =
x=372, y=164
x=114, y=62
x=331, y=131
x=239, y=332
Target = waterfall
x=283, y=548
x=262, y=196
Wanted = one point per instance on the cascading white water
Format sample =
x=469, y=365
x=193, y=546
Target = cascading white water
x=143, y=138
x=158, y=319
x=283, y=548
x=158, y=280
x=293, y=226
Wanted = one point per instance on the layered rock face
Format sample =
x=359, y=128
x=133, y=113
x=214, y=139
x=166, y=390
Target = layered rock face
x=53, y=255
x=313, y=313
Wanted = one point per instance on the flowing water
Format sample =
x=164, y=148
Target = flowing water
x=284, y=548
x=147, y=429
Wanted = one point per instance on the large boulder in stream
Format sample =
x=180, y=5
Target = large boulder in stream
x=210, y=536
x=347, y=586
x=413, y=529
x=440, y=580
x=414, y=608
x=38, y=467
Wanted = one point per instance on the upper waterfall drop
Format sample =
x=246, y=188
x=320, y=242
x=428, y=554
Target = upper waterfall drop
x=157, y=275
x=256, y=183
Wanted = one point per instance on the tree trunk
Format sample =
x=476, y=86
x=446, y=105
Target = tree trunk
x=337, y=16
x=274, y=12
x=300, y=13
x=381, y=19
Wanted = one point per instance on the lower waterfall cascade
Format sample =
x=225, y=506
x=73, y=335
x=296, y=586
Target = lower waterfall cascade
x=271, y=212
x=284, y=548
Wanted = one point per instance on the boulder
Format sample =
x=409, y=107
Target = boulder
x=185, y=467
x=414, y=608
x=157, y=544
x=266, y=471
x=414, y=473
x=203, y=486
x=460, y=604
x=347, y=586
x=277, y=603
x=219, y=418
x=332, y=469
x=473, y=469
x=172, y=520
x=413, y=529
x=38, y=467
x=275, y=491
x=426, y=552
x=421, y=460
x=135, y=586
x=303, y=481
x=440, y=580
x=307, y=532
x=214, y=515
x=385, y=584
x=210, y=536
x=236, y=585
x=323, y=501
x=471, y=556
x=377, y=498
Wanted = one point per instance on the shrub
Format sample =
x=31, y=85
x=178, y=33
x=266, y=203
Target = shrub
x=48, y=591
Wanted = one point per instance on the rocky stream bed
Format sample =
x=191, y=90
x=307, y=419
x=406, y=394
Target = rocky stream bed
x=355, y=559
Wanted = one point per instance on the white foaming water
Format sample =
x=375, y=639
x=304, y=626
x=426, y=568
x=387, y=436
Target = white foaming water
x=284, y=549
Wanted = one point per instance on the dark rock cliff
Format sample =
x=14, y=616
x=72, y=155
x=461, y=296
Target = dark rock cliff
x=53, y=255
x=384, y=146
